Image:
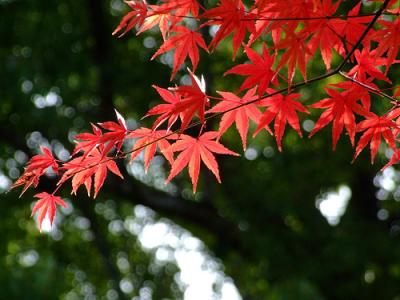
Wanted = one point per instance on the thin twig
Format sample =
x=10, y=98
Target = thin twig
x=372, y=89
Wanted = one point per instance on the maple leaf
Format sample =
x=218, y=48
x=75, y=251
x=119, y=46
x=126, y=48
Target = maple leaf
x=293, y=8
x=186, y=43
x=340, y=109
x=358, y=91
x=160, y=16
x=193, y=151
x=46, y=205
x=231, y=16
x=323, y=35
x=183, y=7
x=136, y=17
x=85, y=142
x=273, y=10
x=116, y=135
x=259, y=71
x=168, y=14
x=263, y=23
x=81, y=170
x=148, y=140
x=375, y=128
x=352, y=28
x=167, y=111
x=388, y=39
x=393, y=160
x=367, y=63
x=183, y=102
x=283, y=109
x=297, y=53
x=239, y=116
x=35, y=168
x=193, y=100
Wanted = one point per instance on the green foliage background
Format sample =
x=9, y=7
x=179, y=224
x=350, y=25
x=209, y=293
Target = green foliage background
x=262, y=223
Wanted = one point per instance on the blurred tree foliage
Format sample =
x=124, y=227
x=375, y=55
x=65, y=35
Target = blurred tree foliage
x=61, y=69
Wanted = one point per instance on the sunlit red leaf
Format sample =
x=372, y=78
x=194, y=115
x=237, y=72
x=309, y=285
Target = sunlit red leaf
x=82, y=169
x=283, y=109
x=148, y=140
x=46, y=205
x=186, y=42
x=239, y=116
x=193, y=151
x=35, y=168
x=259, y=71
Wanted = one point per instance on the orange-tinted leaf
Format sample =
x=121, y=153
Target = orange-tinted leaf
x=193, y=151
x=259, y=71
x=340, y=109
x=186, y=42
x=148, y=140
x=35, y=168
x=46, y=205
x=375, y=128
x=282, y=108
x=81, y=170
x=193, y=100
x=239, y=116
x=231, y=17
x=296, y=53
x=136, y=17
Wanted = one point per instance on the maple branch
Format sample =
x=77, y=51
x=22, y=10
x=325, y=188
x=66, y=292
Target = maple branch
x=370, y=88
x=363, y=35
x=283, y=90
x=332, y=17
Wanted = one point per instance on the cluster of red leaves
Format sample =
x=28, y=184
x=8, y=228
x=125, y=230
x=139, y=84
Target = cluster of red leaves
x=279, y=38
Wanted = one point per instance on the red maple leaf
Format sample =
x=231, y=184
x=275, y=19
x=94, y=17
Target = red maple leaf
x=323, y=34
x=148, y=140
x=167, y=111
x=160, y=16
x=186, y=43
x=231, y=17
x=283, y=109
x=263, y=16
x=239, y=116
x=273, y=10
x=351, y=29
x=168, y=14
x=296, y=53
x=367, y=64
x=259, y=71
x=183, y=102
x=182, y=7
x=115, y=135
x=193, y=151
x=46, y=205
x=193, y=100
x=388, y=39
x=81, y=170
x=339, y=109
x=35, y=168
x=375, y=128
x=85, y=142
x=136, y=17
